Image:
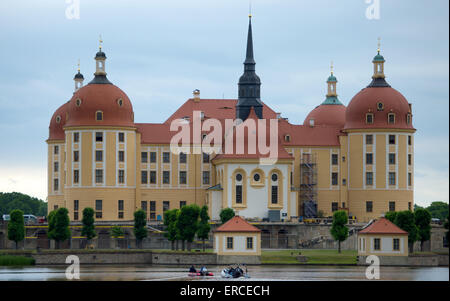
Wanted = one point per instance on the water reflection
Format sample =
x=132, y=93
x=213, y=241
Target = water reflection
x=263, y=273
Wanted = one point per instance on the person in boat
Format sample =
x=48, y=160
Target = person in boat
x=203, y=271
x=192, y=269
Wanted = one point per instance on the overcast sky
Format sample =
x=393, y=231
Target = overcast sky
x=159, y=51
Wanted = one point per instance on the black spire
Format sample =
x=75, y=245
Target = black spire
x=249, y=83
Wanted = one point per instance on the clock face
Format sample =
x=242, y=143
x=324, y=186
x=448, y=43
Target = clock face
x=238, y=177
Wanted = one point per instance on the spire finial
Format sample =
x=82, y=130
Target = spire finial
x=331, y=67
x=379, y=44
x=100, y=41
x=78, y=66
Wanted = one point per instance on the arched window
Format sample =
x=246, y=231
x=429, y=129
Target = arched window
x=380, y=106
x=99, y=115
x=58, y=119
x=78, y=102
x=238, y=188
x=274, y=189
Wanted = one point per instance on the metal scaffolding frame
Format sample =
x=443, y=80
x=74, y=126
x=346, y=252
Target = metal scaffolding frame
x=308, y=185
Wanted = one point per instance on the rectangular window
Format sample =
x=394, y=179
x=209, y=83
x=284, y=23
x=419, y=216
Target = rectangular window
x=99, y=137
x=376, y=244
x=369, y=178
x=409, y=179
x=334, y=206
x=152, y=177
x=274, y=194
x=120, y=214
x=56, y=184
x=396, y=244
x=369, y=158
x=76, y=176
x=152, y=216
x=205, y=158
x=409, y=206
x=121, y=176
x=182, y=158
x=391, y=139
x=55, y=207
x=334, y=159
x=250, y=243
x=182, y=177
x=120, y=205
x=98, y=155
x=392, y=178
x=144, y=157
x=144, y=177
x=144, y=206
x=391, y=118
x=229, y=242
x=182, y=203
x=76, y=137
x=76, y=156
x=409, y=140
x=152, y=206
x=152, y=157
x=98, y=205
x=166, y=157
x=369, y=206
x=409, y=159
x=56, y=166
x=99, y=176
x=121, y=156
x=238, y=194
x=166, y=177
x=75, y=216
x=391, y=159
x=391, y=206
x=98, y=214
x=166, y=206
x=369, y=118
x=121, y=137
x=56, y=150
x=206, y=177
x=369, y=139
x=75, y=205
x=334, y=178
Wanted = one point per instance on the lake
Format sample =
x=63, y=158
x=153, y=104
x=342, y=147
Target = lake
x=257, y=273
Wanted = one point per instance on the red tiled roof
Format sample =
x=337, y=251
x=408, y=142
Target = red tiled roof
x=382, y=226
x=237, y=224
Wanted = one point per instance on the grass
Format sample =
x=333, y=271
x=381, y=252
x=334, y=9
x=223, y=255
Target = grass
x=8, y=260
x=314, y=256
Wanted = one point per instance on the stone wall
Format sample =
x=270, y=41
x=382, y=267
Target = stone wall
x=238, y=259
x=412, y=260
x=184, y=258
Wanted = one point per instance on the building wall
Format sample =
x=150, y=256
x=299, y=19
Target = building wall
x=239, y=243
x=366, y=245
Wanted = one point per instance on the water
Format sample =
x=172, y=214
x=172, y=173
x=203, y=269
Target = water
x=257, y=273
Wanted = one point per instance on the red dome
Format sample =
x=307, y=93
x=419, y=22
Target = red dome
x=368, y=100
x=107, y=98
x=56, y=131
x=327, y=114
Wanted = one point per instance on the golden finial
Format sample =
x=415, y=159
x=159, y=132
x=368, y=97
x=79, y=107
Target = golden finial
x=331, y=67
x=100, y=41
x=379, y=44
x=78, y=66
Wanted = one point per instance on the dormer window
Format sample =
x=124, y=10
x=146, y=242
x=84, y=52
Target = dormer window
x=380, y=106
x=408, y=118
x=78, y=102
x=369, y=118
x=391, y=118
x=287, y=138
x=120, y=102
x=99, y=116
x=58, y=119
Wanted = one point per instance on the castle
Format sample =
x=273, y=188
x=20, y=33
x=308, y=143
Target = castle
x=357, y=158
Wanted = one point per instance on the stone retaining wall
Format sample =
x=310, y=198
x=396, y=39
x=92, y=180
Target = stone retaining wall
x=412, y=260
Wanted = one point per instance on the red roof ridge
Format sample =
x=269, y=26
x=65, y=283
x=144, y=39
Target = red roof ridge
x=237, y=224
x=382, y=226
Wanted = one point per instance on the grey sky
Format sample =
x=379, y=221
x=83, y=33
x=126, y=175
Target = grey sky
x=159, y=51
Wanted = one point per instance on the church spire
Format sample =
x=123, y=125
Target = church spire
x=249, y=83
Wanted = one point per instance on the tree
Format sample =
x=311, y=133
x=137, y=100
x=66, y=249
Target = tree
x=188, y=224
x=391, y=215
x=15, y=200
x=60, y=231
x=51, y=224
x=16, y=226
x=422, y=219
x=438, y=210
x=170, y=220
x=339, y=230
x=204, y=227
x=405, y=220
x=88, y=229
x=117, y=231
x=226, y=214
x=446, y=226
x=140, y=226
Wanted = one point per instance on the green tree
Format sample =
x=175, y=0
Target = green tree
x=422, y=219
x=339, y=229
x=60, y=231
x=438, y=210
x=170, y=220
x=391, y=215
x=140, y=226
x=446, y=226
x=226, y=214
x=117, y=231
x=16, y=226
x=188, y=224
x=88, y=229
x=15, y=200
x=406, y=221
x=204, y=227
x=51, y=224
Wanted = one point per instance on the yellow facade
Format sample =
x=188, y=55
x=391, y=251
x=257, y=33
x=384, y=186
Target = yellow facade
x=366, y=244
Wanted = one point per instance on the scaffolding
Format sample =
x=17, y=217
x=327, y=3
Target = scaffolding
x=308, y=185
